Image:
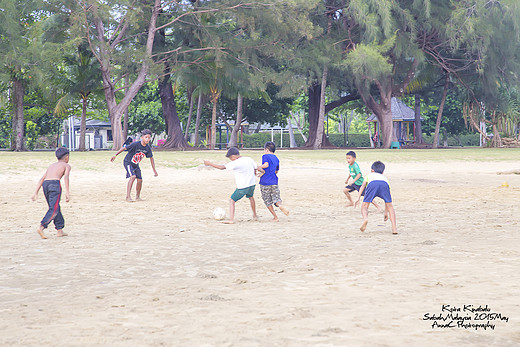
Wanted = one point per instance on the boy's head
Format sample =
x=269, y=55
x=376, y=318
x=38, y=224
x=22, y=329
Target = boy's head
x=270, y=147
x=233, y=153
x=351, y=157
x=378, y=167
x=62, y=153
x=146, y=136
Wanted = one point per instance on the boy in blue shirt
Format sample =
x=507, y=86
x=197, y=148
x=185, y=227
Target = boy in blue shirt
x=377, y=185
x=269, y=181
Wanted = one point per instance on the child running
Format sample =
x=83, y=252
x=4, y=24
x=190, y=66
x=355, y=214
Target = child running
x=136, y=152
x=377, y=185
x=269, y=181
x=245, y=169
x=50, y=182
x=357, y=179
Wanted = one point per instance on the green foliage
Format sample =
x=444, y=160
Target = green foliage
x=145, y=112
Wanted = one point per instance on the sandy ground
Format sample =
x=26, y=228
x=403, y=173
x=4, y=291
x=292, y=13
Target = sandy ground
x=164, y=272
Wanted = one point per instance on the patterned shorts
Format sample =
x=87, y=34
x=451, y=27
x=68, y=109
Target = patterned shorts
x=270, y=194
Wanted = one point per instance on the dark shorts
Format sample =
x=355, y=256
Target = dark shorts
x=377, y=189
x=353, y=186
x=240, y=193
x=132, y=170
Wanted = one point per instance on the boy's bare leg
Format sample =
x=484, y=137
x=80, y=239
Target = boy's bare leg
x=40, y=231
x=282, y=208
x=253, y=207
x=390, y=212
x=364, y=214
x=138, y=187
x=347, y=194
x=129, y=188
x=271, y=209
x=61, y=233
x=231, y=219
x=377, y=206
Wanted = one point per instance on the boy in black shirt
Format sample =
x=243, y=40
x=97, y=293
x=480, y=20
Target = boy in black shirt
x=136, y=152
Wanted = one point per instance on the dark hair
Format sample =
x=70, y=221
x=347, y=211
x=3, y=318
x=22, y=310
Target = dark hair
x=232, y=151
x=146, y=132
x=270, y=146
x=61, y=152
x=378, y=167
x=351, y=153
x=128, y=141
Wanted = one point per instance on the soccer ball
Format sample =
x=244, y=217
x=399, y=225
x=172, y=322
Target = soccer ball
x=219, y=213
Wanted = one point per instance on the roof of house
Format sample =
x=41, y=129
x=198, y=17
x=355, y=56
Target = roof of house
x=91, y=123
x=400, y=112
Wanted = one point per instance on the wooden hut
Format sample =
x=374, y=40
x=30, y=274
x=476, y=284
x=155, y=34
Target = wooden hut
x=403, y=119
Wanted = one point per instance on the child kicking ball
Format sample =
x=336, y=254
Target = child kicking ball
x=245, y=169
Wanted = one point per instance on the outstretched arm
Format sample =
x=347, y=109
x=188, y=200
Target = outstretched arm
x=153, y=167
x=361, y=190
x=66, y=180
x=216, y=166
x=355, y=178
x=118, y=152
x=38, y=186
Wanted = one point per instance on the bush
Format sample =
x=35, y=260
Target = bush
x=456, y=140
x=258, y=140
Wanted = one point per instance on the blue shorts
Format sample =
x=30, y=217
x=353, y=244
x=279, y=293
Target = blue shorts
x=132, y=170
x=240, y=193
x=379, y=189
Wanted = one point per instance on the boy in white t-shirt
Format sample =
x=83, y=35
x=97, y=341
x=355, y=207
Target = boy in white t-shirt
x=377, y=185
x=245, y=176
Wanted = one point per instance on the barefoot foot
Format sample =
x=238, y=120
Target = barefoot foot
x=385, y=218
x=61, y=233
x=364, y=225
x=129, y=200
x=139, y=199
x=228, y=222
x=275, y=220
x=40, y=231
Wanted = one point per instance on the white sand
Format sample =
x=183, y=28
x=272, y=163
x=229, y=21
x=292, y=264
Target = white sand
x=127, y=276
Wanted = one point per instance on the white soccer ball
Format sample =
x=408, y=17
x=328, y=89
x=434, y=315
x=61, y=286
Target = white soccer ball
x=219, y=213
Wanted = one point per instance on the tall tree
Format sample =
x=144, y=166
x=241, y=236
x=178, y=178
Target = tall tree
x=82, y=79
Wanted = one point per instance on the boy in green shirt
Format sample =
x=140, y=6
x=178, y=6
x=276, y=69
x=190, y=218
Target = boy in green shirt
x=357, y=179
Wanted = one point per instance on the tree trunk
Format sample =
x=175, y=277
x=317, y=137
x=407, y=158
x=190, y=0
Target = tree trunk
x=175, y=137
x=321, y=115
x=103, y=54
x=18, y=116
x=83, y=124
x=125, y=117
x=439, y=114
x=314, y=93
x=234, y=133
x=197, y=121
x=497, y=140
x=190, y=113
x=214, y=101
x=418, y=123
x=292, y=139
x=383, y=113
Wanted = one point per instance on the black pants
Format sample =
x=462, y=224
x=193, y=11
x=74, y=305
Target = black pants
x=52, y=192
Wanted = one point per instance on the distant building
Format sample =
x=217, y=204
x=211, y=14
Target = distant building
x=97, y=136
x=403, y=120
